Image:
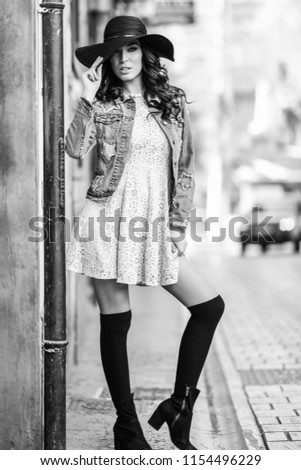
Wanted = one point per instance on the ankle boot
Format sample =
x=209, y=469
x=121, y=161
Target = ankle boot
x=176, y=411
x=128, y=434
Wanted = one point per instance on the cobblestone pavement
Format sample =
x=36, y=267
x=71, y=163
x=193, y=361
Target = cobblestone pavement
x=251, y=385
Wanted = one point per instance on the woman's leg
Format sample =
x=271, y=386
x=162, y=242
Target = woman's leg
x=192, y=286
x=112, y=296
x=115, y=322
x=206, y=308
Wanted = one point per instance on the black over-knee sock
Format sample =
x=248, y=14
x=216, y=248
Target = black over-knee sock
x=196, y=341
x=113, y=335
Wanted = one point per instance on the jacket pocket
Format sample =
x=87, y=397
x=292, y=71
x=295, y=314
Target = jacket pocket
x=108, y=125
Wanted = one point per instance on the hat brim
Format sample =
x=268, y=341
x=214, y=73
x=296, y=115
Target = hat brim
x=159, y=44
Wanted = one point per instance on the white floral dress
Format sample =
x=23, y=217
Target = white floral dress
x=134, y=247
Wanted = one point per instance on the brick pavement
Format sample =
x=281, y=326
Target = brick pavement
x=278, y=412
x=261, y=332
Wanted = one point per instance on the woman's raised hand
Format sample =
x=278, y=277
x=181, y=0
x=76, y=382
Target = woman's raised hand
x=91, y=80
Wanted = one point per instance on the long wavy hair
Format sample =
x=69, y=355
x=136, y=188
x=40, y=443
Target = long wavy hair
x=156, y=83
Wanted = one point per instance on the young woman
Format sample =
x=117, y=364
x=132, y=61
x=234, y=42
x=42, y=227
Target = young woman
x=131, y=230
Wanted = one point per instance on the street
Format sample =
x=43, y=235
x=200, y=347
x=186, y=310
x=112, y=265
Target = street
x=251, y=384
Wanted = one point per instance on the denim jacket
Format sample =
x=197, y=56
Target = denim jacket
x=108, y=126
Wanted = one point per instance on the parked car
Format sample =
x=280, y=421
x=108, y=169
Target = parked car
x=267, y=227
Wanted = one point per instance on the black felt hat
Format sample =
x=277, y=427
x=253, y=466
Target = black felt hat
x=120, y=31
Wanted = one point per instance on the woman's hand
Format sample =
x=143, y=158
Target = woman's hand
x=179, y=243
x=91, y=80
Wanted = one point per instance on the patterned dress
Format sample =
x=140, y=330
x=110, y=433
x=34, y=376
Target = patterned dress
x=132, y=244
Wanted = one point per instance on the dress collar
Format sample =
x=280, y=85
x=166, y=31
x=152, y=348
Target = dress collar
x=126, y=97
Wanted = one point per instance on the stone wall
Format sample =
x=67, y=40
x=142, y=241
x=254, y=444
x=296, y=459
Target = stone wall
x=20, y=325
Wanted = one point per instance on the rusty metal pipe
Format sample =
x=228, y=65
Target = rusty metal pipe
x=54, y=343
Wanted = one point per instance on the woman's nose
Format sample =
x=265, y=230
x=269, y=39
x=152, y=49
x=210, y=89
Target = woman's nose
x=123, y=55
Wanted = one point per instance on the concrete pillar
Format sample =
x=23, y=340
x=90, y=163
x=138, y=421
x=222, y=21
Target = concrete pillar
x=20, y=302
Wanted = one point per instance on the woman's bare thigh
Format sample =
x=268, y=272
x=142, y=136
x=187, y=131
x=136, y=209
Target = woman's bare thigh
x=112, y=296
x=192, y=287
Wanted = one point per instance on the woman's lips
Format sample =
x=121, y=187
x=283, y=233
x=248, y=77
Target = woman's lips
x=124, y=69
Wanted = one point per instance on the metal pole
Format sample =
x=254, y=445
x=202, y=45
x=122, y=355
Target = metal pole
x=54, y=249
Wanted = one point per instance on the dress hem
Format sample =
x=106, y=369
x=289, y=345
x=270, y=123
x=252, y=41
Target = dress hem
x=139, y=284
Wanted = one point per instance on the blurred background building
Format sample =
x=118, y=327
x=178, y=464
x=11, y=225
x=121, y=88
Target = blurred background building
x=237, y=60
x=263, y=100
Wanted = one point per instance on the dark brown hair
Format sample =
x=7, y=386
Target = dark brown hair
x=156, y=83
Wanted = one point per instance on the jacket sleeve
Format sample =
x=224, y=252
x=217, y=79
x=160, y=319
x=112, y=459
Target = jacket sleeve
x=185, y=182
x=81, y=135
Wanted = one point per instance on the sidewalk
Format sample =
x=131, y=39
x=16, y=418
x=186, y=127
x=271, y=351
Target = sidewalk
x=260, y=342
x=158, y=321
x=251, y=384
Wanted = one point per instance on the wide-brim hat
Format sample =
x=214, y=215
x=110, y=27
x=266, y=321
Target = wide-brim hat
x=120, y=31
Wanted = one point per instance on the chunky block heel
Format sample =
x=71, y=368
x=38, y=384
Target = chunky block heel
x=177, y=413
x=157, y=419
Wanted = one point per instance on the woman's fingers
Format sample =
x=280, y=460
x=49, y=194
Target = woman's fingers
x=91, y=80
x=180, y=246
x=92, y=75
x=176, y=250
x=96, y=63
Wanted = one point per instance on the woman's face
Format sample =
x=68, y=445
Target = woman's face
x=127, y=62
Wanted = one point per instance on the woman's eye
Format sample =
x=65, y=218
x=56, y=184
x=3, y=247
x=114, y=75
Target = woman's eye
x=132, y=48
